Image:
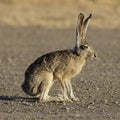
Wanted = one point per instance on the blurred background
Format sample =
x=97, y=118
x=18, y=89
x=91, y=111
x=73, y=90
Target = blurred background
x=59, y=13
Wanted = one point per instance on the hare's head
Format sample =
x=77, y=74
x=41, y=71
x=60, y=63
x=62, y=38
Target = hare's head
x=82, y=48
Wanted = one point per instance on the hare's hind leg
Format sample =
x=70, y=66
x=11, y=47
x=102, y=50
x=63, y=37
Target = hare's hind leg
x=45, y=86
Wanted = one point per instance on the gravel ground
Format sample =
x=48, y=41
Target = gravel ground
x=97, y=86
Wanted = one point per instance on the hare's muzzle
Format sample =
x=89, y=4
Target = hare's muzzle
x=95, y=55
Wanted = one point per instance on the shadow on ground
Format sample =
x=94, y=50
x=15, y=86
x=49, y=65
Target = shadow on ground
x=20, y=99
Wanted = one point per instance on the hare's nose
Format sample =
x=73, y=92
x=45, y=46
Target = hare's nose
x=95, y=55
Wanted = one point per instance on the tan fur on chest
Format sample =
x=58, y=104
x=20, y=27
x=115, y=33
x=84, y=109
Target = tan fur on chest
x=72, y=69
x=76, y=65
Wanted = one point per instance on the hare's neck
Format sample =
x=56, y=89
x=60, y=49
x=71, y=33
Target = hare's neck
x=82, y=60
x=78, y=63
x=84, y=55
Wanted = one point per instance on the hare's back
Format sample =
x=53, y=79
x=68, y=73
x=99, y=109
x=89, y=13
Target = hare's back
x=50, y=62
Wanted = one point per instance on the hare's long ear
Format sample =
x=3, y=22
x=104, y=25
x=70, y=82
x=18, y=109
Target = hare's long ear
x=79, y=29
x=85, y=26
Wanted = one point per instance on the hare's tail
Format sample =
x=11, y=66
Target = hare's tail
x=30, y=89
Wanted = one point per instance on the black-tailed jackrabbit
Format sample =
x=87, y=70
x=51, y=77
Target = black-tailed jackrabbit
x=59, y=65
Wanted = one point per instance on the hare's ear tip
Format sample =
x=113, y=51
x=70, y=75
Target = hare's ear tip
x=81, y=14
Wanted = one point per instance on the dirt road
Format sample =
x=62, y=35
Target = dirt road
x=97, y=86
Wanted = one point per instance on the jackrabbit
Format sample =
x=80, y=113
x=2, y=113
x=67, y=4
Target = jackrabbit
x=59, y=65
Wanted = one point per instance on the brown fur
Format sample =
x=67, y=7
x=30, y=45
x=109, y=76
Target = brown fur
x=58, y=65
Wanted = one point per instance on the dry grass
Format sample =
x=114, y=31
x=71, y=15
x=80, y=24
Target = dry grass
x=58, y=13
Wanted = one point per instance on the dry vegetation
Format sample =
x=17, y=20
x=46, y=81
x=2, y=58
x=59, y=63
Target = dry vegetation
x=58, y=13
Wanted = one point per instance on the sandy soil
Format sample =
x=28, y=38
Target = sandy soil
x=98, y=85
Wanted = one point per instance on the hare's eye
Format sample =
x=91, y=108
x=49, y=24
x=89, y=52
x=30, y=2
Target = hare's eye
x=83, y=47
